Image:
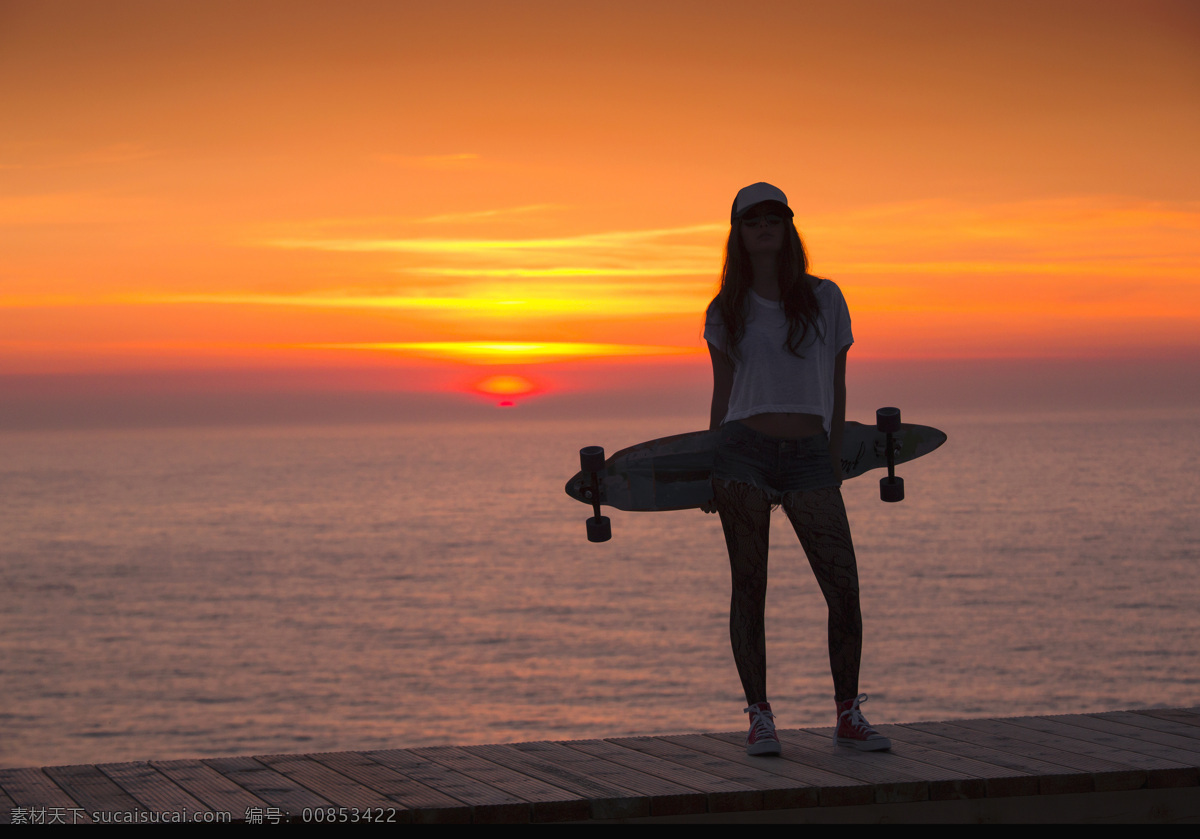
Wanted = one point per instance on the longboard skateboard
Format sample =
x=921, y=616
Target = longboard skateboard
x=675, y=473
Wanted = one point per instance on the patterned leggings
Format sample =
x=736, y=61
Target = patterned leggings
x=819, y=518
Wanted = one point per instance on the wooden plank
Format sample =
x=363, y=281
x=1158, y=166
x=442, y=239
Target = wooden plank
x=731, y=745
x=1079, y=771
x=33, y=789
x=547, y=803
x=156, y=792
x=808, y=783
x=413, y=800
x=1155, y=724
x=1183, y=716
x=1009, y=776
x=329, y=784
x=7, y=806
x=795, y=771
x=1163, y=766
x=1086, y=743
x=892, y=777
x=1051, y=767
x=636, y=791
x=951, y=776
x=1149, y=741
x=718, y=794
x=606, y=800
x=684, y=776
x=488, y=805
x=95, y=792
x=761, y=788
x=210, y=786
x=279, y=791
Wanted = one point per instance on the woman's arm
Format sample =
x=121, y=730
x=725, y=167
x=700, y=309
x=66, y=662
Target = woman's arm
x=838, y=421
x=722, y=387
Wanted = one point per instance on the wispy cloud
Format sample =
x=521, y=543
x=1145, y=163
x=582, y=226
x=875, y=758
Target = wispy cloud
x=486, y=301
x=481, y=352
x=613, y=241
x=1084, y=256
x=350, y=228
x=630, y=272
x=1098, y=229
x=1128, y=268
x=471, y=352
x=579, y=271
x=538, y=302
x=487, y=215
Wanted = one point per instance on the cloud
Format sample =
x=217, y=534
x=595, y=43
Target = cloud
x=484, y=215
x=588, y=242
x=485, y=302
x=483, y=352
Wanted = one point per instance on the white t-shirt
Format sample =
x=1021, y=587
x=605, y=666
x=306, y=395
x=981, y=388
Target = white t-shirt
x=767, y=378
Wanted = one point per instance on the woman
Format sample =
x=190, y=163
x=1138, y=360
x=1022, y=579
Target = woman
x=778, y=338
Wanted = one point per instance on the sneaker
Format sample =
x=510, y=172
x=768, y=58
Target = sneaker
x=854, y=731
x=762, y=739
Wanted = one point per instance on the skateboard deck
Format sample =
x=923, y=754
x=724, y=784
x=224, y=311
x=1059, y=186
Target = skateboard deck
x=675, y=473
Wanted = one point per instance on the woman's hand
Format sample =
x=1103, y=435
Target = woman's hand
x=709, y=506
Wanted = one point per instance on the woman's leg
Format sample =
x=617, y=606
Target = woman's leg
x=746, y=518
x=819, y=517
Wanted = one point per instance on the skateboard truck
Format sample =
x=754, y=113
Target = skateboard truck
x=891, y=488
x=591, y=459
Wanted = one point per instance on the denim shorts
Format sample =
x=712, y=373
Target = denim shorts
x=772, y=464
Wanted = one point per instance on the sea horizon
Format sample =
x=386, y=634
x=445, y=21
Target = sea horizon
x=216, y=591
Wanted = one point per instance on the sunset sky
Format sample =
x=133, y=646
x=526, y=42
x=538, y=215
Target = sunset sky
x=414, y=197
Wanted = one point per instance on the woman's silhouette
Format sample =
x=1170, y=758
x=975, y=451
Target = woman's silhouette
x=778, y=338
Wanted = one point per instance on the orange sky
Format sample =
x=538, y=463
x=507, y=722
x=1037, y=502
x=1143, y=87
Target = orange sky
x=498, y=188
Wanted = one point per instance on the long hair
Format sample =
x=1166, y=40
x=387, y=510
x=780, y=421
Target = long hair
x=795, y=291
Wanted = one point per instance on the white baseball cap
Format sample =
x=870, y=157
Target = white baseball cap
x=749, y=196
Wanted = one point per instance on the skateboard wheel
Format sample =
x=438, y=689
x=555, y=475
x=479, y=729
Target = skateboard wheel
x=891, y=489
x=887, y=419
x=591, y=458
x=599, y=529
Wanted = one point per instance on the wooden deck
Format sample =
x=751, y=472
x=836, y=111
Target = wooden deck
x=1131, y=766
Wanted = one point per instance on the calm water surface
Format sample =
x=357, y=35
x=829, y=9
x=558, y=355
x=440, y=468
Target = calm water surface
x=184, y=593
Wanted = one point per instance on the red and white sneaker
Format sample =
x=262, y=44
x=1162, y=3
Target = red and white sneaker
x=762, y=739
x=854, y=731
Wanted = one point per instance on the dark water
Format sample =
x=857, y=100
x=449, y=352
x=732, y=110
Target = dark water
x=185, y=593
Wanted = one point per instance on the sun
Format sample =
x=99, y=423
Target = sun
x=507, y=386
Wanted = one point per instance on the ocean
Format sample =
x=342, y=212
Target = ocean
x=222, y=591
